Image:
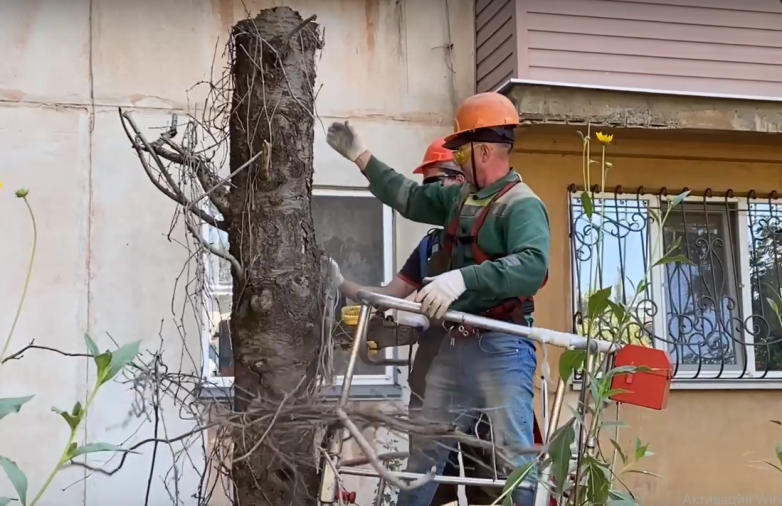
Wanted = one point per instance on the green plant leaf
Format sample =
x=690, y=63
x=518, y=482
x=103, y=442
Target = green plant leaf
x=774, y=307
x=779, y=452
x=619, y=450
x=612, y=423
x=569, y=362
x=589, y=206
x=559, y=450
x=599, y=482
x=11, y=405
x=5, y=500
x=641, y=471
x=596, y=391
x=641, y=449
x=618, y=310
x=74, y=451
x=514, y=480
x=616, y=391
x=72, y=421
x=17, y=478
x=598, y=302
x=91, y=346
x=627, y=369
x=619, y=498
x=74, y=417
x=673, y=259
x=576, y=415
x=678, y=200
x=121, y=358
x=102, y=362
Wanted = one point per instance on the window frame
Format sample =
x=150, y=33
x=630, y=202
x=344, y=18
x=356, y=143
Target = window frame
x=684, y=379
x=211, y=262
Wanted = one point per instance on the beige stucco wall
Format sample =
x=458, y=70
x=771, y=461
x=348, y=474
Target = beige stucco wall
x=707, y=444
x=104, y=264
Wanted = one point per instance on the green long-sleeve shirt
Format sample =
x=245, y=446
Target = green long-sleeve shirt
x=516, y=232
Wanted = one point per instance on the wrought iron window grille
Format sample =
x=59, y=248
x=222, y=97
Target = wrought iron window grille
x=716, y=317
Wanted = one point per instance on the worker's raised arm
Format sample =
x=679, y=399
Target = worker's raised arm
x=422, y=203
x=522, y=271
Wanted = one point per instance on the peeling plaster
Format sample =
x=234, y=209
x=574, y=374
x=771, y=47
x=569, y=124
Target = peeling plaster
x=538, y=104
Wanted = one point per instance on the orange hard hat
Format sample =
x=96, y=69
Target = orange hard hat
x=484, y=110
x=436, y=152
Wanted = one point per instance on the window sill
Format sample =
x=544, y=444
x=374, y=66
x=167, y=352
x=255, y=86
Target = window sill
x=357, y=392
x=716, y=384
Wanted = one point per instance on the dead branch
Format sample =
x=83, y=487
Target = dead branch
x=271, y=424
x=230, y=176
x=202, y=168
x=32, y=346
x=220, y=252
x=170, y=189
x=301, y=25
x=375, y=463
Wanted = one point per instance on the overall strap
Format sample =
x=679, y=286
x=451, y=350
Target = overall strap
x=450, y=232
x=478, y=253
x=425, y=251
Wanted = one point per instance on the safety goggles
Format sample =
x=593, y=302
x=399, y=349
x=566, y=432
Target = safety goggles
x=461, y=155
x=449, y=174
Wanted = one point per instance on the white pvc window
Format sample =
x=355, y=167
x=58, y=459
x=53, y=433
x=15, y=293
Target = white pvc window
x=354, y=228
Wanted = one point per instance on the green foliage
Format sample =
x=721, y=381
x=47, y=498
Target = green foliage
x=12, y=405
x=605, y=318
x=17, y=478
x=513, y=482
x=109, y=365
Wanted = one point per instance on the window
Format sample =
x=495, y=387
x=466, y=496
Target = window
x=356, y=230
x=715, y=315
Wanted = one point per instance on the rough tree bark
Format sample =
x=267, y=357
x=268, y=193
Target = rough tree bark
x=276, y=311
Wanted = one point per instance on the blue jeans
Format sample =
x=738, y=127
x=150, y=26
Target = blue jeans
x=493, y=373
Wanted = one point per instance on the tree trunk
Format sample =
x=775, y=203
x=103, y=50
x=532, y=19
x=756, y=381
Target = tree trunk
x=275, y=324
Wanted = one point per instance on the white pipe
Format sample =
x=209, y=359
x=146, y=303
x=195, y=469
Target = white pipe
x=543, y=336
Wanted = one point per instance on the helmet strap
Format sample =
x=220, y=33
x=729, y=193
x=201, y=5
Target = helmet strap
x=474, y=168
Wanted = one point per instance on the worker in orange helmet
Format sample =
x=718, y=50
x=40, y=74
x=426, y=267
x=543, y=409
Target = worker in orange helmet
x=493, y=258
x=438, y=167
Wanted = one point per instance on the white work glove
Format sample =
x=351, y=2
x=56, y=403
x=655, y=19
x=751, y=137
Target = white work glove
x=438, y=293
x=332, y=271
x=343, y=139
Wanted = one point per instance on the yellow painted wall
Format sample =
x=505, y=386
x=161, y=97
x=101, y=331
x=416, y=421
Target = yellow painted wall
x=706, y=443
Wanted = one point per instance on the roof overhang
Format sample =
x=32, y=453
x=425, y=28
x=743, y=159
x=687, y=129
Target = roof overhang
x=547, y=103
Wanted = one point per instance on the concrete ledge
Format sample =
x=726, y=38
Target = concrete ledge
x=556, y=104
x=357, y=393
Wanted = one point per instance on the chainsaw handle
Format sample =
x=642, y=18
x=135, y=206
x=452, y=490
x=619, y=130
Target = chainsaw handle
x=363, y=354
x=541, y=335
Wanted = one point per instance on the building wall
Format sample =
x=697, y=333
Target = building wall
x=104, y=264
x=676, y=45
x=707, y=443
x=496, y=44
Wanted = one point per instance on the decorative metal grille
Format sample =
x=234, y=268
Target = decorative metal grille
x=716, y=316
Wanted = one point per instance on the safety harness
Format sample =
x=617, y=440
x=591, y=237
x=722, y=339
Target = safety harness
x=428, y=246
x=509, y=307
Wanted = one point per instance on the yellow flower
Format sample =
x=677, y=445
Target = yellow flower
x=1, y=185
x=604, y=138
